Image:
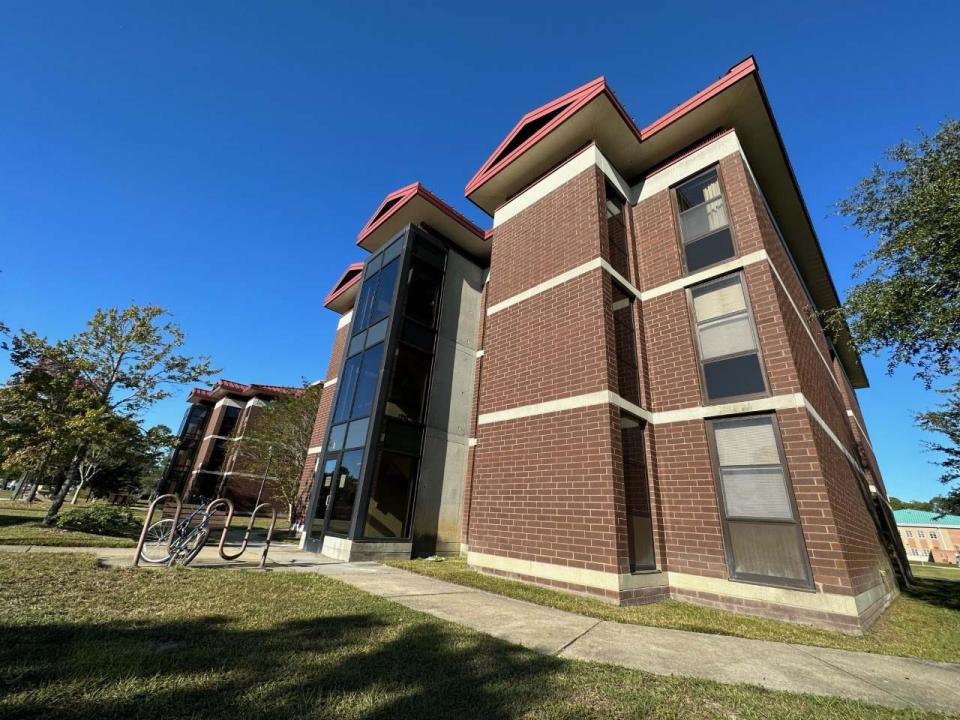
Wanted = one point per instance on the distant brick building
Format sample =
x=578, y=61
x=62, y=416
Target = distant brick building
x=929, y=536
x=203, y=463
x=621, y=389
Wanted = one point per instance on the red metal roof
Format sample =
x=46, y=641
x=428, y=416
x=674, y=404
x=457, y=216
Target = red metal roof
x=350, y=277
x=565, y=106
x=558, y=110
x=224, y=386
x=398, y=198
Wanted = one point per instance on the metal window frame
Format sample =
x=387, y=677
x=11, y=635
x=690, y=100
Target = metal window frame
x=752, y=578
x=704, y=394
x=675, y=206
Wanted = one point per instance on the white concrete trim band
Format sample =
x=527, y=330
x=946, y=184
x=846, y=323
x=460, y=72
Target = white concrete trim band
x=345, y=319
x=847, y=605
x=315, y=449
x=571, y=274
x=788, y=401
x=588, y=157
x=737, y=263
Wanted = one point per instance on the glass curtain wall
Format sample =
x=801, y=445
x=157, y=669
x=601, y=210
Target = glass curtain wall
x=191, y=434
x=376, y=431
x=396, y=456
x=356, y=390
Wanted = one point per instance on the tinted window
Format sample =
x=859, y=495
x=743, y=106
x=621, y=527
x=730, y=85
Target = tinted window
x=709, y=250
x=389, y=508
x=367, y=381
x=347, y=480
x=320, y=509
x=361, y=311
x=382, y=302
x=402, y=437
x=733, y=377
x=423, y=294
x=408, y=391
x=345, y=387
x=230, y=416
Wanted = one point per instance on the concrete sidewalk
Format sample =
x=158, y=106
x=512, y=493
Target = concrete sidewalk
x=879, y=679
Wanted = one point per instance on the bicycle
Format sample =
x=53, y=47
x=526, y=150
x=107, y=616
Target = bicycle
x=186, y=541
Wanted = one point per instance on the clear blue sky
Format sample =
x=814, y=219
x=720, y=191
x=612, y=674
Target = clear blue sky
x=219, y=158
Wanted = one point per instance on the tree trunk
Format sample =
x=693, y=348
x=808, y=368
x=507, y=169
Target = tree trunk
x=73, y=476
x=32, y=495
x=77, y=493
x=18, y=490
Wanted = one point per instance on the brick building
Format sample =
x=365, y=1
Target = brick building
x=929, y=536
x=622, y=388
x=203, y=463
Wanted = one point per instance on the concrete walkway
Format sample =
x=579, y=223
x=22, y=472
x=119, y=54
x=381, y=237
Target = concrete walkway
x=879, y=679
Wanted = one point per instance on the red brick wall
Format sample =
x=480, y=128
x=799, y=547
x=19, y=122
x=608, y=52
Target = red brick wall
x=555, y=234
x=543, y=490
x=550, y=487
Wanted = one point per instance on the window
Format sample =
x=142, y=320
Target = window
x=910, y=533
x=411, y=376
x=639, y=519
x=704, y=226
x=628, y=374
x=345, y=387
x=367, y=382
x=376, y=295
x=920, y=534
x=617, y=232
x=728, y=345
x=933, y=535
x=326, y=483
x=229, y=422
x=347, y=479
x=423, y=293
x=382, y=302
x=389, y=508
x=764, y=540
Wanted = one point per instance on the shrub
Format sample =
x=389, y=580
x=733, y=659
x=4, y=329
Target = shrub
x=100, y=520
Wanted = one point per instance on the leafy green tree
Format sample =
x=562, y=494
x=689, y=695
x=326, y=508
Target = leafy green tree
x=907, y=301
x=275, y=441
x=39, y=408
x=130, y=358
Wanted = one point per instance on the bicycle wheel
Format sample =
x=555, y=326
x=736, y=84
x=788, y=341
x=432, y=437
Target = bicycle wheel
x=156, y=545
x=190, y=547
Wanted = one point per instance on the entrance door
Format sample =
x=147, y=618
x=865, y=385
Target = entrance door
x=339, y=481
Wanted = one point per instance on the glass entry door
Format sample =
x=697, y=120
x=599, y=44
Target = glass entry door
x=338, y=490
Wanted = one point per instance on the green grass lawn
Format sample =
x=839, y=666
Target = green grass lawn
x=78, y=641
x=924, y=622
x=20, y=525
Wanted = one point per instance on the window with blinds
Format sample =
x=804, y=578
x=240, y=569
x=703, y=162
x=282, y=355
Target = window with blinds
x=704, y=225
x=764, y=540
x=728, y=345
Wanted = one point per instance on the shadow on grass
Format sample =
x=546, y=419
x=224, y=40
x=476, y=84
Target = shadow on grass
x=341, y=666
x=936, y=591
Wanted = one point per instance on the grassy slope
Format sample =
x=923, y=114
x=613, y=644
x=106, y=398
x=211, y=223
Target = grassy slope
x=923, y=623
x=77, y=642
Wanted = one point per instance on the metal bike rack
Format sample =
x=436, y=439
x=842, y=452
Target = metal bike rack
x=226, y=502
x=246, y=534
x=147, y=523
